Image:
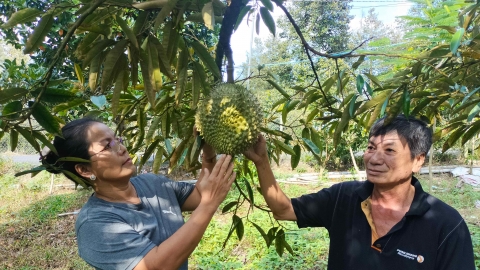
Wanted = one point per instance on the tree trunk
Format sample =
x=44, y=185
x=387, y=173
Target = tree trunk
x=355, y=163
x=430, y=158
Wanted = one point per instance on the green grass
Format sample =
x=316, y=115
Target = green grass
x=32, y=236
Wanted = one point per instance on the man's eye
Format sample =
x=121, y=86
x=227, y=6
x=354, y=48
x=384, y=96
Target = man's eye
x=370, y=148
x=108, y=146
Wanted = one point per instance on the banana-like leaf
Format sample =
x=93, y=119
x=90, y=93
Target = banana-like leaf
x=206, y=58
x=12, y=93
x=39, y=33
x=154, y=126
x=177, y=153
x=46, y=120
x=163, y=60
x=146, y=73
x=21, y=17
x=268, y=20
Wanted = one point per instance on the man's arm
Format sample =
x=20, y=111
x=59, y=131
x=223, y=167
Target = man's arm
x=278, y=202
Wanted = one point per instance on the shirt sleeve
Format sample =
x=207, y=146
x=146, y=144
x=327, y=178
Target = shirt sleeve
x=456, y=250
x=182, y=191
x=316, y=209
x=106, y=242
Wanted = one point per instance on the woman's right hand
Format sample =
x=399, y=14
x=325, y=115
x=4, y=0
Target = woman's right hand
x=214, y=185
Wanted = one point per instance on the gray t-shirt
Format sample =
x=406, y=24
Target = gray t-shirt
x=118, y=235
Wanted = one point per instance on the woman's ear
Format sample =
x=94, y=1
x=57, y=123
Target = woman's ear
x=83, y=170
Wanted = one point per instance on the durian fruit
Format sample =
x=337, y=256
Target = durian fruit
x=229, y=119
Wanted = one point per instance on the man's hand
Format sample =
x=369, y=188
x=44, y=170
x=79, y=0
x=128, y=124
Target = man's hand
x=258, y=152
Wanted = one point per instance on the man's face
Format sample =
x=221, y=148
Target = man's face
x=388, y=161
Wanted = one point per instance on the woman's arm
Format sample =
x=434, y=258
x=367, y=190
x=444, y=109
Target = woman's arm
x=175, y=250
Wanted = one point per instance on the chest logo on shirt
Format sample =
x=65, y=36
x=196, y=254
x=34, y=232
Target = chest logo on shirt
x=410, y=256
x=169, y=212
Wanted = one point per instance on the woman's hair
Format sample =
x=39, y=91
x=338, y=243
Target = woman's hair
x=73, y=144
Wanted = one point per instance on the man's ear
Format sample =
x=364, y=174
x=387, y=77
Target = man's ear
x=418, y=162
x=83, y=170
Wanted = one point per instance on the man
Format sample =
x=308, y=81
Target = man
x=387, y=222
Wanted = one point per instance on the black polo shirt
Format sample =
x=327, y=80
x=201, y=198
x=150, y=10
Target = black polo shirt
x=432, y=235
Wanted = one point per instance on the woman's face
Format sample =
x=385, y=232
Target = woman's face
x=109, y=158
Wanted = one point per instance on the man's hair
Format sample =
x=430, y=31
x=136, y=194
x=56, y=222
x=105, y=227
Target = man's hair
x=416, y=132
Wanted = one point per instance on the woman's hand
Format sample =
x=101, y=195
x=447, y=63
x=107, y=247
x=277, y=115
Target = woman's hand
x=214, y=185
x=258, y=152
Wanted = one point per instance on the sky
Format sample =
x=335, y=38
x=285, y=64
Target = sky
x=387, y=11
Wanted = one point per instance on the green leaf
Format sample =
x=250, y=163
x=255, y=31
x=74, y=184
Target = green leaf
x=473, y=112
x=128, y=31
x=75, y=178
x=39, y=33
x=32, y=171
x=21, y=17
x=358, y=62
x=208, y=15
x=373, y=79
x=277, y=133
x=68, y=105
x=472, y=131
x=72, y=159
x=341, y=126
x=470, y=94
x=229, y=206
x=360, y=84
x=238, y=223
x=284, y=147
x=13, y=140
x=295, y=159
x=45, y=141
x=262, y=232
x=112, y=62
x=141, y=22
x=199, y=71
x=406, y=102
x=206, y=58
x=164, y=12
x=12, y=109
x=312, y=114
x=369, y=89
x=12, y=93
x=268, y=20
x=456, y=39
x=310, y=145
x=148, y=153
x=55, y=95
x=251, y=198
x=268, y=4
x=279, y=89
x=351, y=107
x=157, y=161
x=384, y=107
x=241, y=15
x=182, y=73
x=279, y=240
x=46, y=120
x=96, y=51
x=79, y=73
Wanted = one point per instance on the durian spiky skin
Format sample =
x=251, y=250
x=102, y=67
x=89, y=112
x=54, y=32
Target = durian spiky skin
x=229, y=119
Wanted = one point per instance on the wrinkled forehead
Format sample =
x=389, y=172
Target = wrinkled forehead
x=390, y=138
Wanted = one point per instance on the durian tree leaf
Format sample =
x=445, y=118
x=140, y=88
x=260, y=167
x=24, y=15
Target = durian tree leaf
x=55, y=95
x=200, y=72
x=360, y=84
x=282, y=134
x=45, y=141
x=450, y=29
x=148, y=153
x=182, y=73
x=279, y=240
x=229, y=206
x=279, y=89
x=311, y=146
x=29, y=137
x=312, y=115
x=128, y=31
x=268, y=20
x=12, y=93
x=141, y=124
x=166, y=126
x=369, y=89
x=351, y=106
x=271, y=235
x=384, y=107
x=268, y=4
x=39, y=33
x=469, y=95
x=262, y=232
x=13, y=140
x=75, y=178
x=232, y=228
x=46, y=120
x=358, y=62
x=154, y=66
x=306, y=133
x=79, y=73
x=288, y=247
x=93, y=72
x=177, y=153
x=378, y=99
x=72, y=159
x=373, y=79
x=295, y=159
x=208, y=15
x=473, y=112
x=196, y=89
x=170, y=40
x=33, y=170
x=97, y=50
x=456, y=39
x=154, y=126
x=453, y=138
x=157, y=161
x=239, y=229
x=112, y=60
x=206, y=58
x=67, y=105
x=472, y=131
x=182, y=157
x=147, y=79
x=164, y=13
x=341, y=126
x=196, y=149
x=278, y=102
x=12, y=109
x=22, y=16
x=406, y=102
x=241, y=15
x=315, y=138
x=284, y=147
x=120, y=86
x=251, y=197
x=141, y=22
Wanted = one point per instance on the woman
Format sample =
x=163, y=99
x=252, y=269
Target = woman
x=136, y=223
